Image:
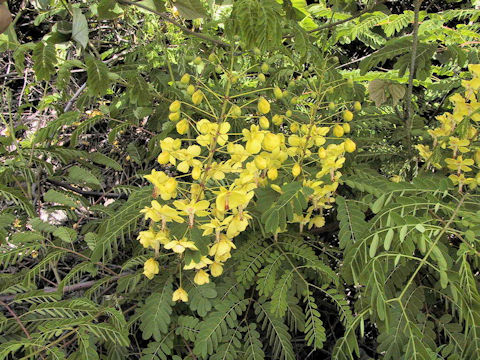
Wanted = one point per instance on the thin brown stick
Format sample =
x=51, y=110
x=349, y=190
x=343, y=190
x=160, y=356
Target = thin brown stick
x=85, y=192
x=17, y=319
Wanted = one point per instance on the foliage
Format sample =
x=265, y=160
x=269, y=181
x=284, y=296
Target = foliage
x=240, y=179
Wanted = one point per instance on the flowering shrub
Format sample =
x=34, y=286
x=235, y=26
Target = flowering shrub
x=456, y=142
x=217, y=169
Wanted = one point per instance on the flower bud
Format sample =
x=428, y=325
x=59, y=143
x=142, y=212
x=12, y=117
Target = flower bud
x=197, y=97
x=182, y=126
x=174, y=106
x=263, y=106
x=296, y=170
x=350, y=146
x=347, y=115
x=263, y=122
x=338, y=131
x=185, y=79
x=278, y=93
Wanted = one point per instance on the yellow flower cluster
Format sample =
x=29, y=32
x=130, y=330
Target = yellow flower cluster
x=456, y=140
x=224, y=168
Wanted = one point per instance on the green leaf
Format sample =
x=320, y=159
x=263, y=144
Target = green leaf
x=374, y=245
x=190, y=9
x=44, y=60
x=102, y=159
x=98, y=81
x=79, y=175
x=109, y=10
x=388, y=239
x=155, y=314
x=79, y=27
x=314, y=330
x=59, y=198
x=378, y=204
x=199, y=298
x=258, y=23
x=66, y=234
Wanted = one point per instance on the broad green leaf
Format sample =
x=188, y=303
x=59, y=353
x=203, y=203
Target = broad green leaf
x=44, y=60
x=79, y=175
x=59, y=198
x=109, y=9
x=80, y=28
x=190, y=9
x=97, y=72
x=65, y=234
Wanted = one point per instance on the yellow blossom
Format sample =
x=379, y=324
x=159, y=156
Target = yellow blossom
x=187, y=158
x=180, y=295
x=169, y=146
x=201, y=277
x=204, y=261
x=162, y=213
x=151, y=268
x=192, y=208
x=254, y=138
x=216, y=269
x=231, y=199
x=459, y=164
x=221, y=247
x=179, y=246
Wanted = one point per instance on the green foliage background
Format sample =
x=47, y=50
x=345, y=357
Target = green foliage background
x=392, y=275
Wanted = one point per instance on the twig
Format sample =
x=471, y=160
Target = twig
x=74, y=97
x=66, y=289
x=85, y=192
x=166, y=18
x=17, y=319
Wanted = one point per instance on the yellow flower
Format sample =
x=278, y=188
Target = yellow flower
x=318, y=221
x=263, y=122
x=165, y=186
x=204, y=261
x=457, y=144
x=221, y=247
x=216, y=269
x=271, y=141
x=161, y=213
x=201, y=277
x=296, y=170
x=237, y=223
x=150, y=268
x=169, y=146
x=237, y=153
x=459, y=164
x=254, y=138
x=349, y=146
x=461, y=179
x=192, y=208
x=211, y=132
x=231, y=199
x=179, y=246
x=153, y=239
x=272, y=173
x=396, y=178
x=180, y=295
x=182, y=126
x=187, y=158
x=213, y=225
